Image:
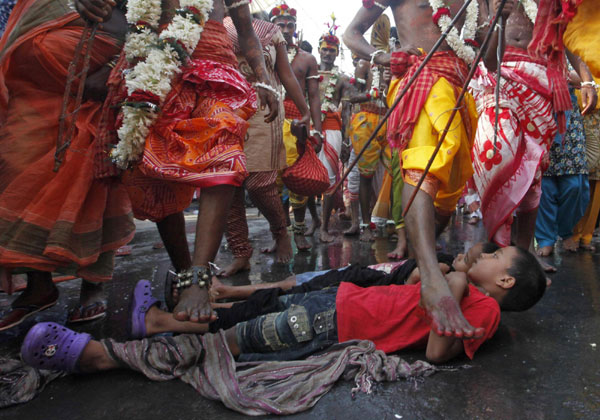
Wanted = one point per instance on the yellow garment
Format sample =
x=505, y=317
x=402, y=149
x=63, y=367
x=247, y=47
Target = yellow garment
x=452, y=165
x=582, y=37
x=291, y=156
x=361, y=128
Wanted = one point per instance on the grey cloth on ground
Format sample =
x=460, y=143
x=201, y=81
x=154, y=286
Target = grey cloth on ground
x=19, y=383
x=288, y=387
x=205, y=363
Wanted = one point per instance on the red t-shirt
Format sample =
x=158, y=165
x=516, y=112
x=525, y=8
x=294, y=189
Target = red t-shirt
x=391, y=317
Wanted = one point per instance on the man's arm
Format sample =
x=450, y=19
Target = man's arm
x=95, y=10
x=290, y=83
x=363, y=79
x=440, y=348
x=354, y=35
x=589, y=95
x=491, y=56
x=314, y=99
x=252, y=50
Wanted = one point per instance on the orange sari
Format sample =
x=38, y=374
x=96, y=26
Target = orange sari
x=51, y=220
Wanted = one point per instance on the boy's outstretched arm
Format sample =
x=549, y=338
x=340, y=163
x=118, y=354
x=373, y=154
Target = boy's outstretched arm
x=440, y=349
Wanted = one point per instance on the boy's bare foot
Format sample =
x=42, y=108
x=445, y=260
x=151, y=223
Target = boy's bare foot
x=218, y=290
x=238, y=264
x=366, y=235
x=352, y=230
x=447, y=319
x=545, y=266
x=194, y=305
x=570, y=245
x=314, y=225
x=282, y=249
x=325, y=236
x=301, y=242
x=545, y=251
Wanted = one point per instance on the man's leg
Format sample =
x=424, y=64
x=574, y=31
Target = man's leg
x=263, y=193
x=397, y=188
x=172, y=233
x=299, y=225
x=213, y=207
x=237, y=236
x=546, y=224
x=314, y=215
x=364, y=194
x=324, y=234
x=435, y=294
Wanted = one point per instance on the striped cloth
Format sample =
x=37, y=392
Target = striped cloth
x=442, y=64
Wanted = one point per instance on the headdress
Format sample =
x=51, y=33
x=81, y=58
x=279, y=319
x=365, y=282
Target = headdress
x=282, y=10
x=329, y=38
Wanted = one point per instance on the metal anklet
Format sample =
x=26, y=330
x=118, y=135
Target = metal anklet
x=299, y=228
x=202, y=276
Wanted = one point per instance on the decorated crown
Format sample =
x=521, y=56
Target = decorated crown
x=330, y=37
x=282, y=10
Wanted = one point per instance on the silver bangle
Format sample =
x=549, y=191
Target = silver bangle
x=315, y=132
x=317, y=77
x=592, y=84
x=361, y=81
x=238, y=4
x=381, y=6
x=375, y=54
x=269, y=88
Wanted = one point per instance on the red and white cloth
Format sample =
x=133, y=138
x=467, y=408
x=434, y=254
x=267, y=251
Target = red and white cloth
x=508, y=177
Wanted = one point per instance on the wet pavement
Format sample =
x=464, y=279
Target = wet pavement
x=541, y=364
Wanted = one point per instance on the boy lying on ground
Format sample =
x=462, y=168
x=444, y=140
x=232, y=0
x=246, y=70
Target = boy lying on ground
x=390, y=316
x=384, y=274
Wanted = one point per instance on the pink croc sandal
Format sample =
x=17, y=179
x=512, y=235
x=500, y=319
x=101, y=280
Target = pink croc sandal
x=51, y=346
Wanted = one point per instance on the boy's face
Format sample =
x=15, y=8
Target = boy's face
x=490, y=271
x=463, y=262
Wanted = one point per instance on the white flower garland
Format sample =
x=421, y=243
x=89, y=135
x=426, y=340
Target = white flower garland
x=531, y=9
x=291, y=53
x=374, y=92
x=160, y=59
x=454, y=40
x=327, y=104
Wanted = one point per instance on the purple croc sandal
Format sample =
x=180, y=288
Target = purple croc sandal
x=141, y=302
x=51, y=346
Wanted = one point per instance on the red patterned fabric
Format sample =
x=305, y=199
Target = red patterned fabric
x=442, y=64
x=307, y=176
x=333, y=121
x=291, y=110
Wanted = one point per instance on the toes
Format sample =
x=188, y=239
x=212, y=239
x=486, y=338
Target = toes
x=180, y=315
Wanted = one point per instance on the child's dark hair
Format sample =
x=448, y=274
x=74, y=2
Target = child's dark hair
x=530, y=282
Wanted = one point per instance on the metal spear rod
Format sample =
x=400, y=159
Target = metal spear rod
x=499, y=52
x=77, y=73
x=482, y=51
x=403, y=92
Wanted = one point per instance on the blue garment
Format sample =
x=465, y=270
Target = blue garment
x=563, y=203
x=305, y=324
x=6, y=7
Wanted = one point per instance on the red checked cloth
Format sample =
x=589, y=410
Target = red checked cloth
x=307, y=176
x=442, y=64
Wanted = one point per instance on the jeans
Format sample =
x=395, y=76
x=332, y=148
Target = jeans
x=305, y=324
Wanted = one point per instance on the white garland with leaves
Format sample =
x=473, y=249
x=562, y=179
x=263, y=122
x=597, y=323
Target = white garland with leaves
x=454, y=39
x=327, y=104
x=531, y=9
x=158, y=62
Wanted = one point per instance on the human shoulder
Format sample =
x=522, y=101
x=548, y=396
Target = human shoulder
x=306, y=57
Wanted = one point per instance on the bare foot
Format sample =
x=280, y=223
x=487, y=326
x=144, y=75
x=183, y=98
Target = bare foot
x=238, y=264
x=301, y=242
x=447, y=319
x=194, y=305
x=325, y=236
x=570, y=245
x=401, y=247
x=545, y=251
x=282, y=249
x=545, y=266
x=315, y=224
x=366, y=235
x=352, y=230
x=473, y=220
x=587, y=247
